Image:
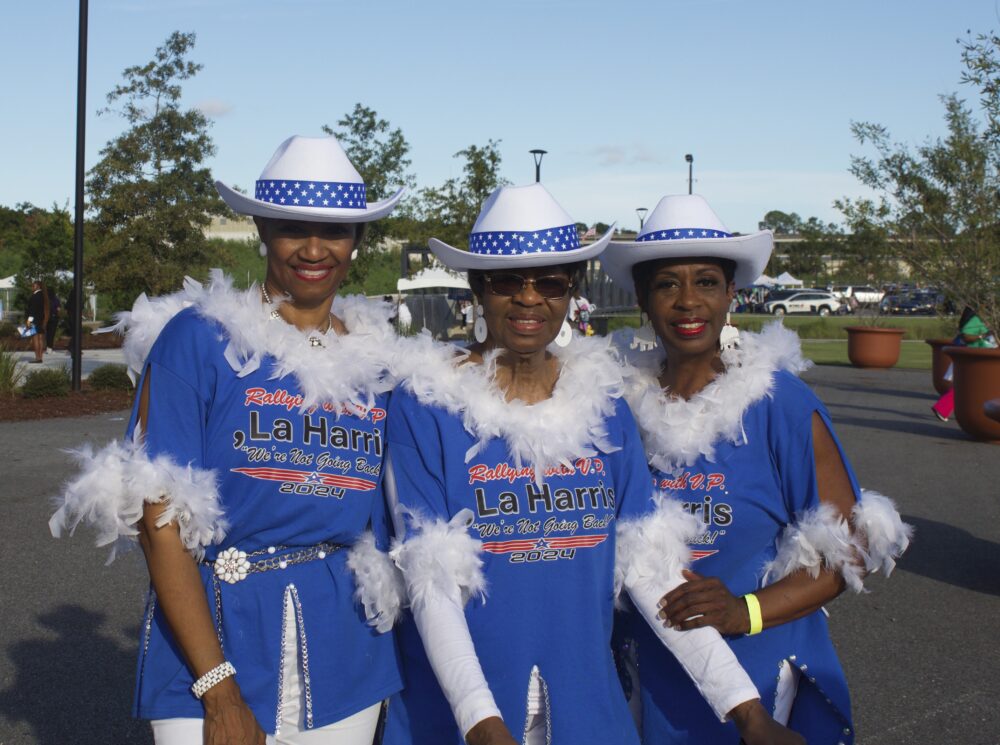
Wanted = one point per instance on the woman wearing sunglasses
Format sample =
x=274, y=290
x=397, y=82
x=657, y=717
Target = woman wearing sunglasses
x=523, y=505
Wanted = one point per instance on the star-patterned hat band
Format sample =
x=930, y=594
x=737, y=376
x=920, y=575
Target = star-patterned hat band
x=316, y=194
x=512, y=243
x=683, y=234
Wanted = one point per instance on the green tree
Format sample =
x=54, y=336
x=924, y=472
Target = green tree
x=781, y=223
x=151, y=195
x=37, y=244
x=379, y=152
x=940, y=201
x=448, y=212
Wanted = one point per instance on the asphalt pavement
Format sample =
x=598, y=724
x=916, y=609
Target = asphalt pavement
x=919, y=649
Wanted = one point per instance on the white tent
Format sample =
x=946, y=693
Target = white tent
x=765, y=281
x=787, y=280
x=7, y=283
x=433, y=276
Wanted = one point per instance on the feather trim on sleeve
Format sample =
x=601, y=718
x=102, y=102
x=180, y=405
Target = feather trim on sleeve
x=653, y=549
x=119, y=479
x=819, y=539
x=441, y=557
x=880, y=534
x=378, y=583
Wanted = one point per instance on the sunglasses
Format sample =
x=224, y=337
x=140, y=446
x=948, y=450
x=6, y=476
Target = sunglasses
x=508, y=284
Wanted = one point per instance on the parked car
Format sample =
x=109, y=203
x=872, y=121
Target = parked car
x=822, y=303
x=912, y=304
x=864, y=294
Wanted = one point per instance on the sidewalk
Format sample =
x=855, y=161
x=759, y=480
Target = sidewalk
x=91, y=359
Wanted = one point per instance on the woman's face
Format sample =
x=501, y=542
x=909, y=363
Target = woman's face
x=523, y=316
x=687, y=304
x=306, y=260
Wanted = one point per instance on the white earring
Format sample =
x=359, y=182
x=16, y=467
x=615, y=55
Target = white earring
x=730, y=336
x=565, y=335
x=263, y=248
x=644, y=338
x=479, y=330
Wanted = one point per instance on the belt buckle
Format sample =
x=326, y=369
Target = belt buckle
x=232, y=565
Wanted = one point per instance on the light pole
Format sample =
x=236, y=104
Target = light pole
x=641, y=212
x=690, y=161
x=537, y=154
x=81, y=120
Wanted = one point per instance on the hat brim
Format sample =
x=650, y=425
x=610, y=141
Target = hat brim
x=247, y=205
x=456, y=258
x=750, y=253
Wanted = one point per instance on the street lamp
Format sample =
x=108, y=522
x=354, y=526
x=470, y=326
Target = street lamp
x=641, y=212
x=690, y=161
x=537, y=154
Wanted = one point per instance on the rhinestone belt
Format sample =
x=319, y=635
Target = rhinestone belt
x=233, y=565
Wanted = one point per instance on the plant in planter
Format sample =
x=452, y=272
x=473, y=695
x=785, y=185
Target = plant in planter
x=940, y=204
x=868, y=253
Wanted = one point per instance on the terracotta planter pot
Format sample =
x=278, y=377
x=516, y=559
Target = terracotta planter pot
x=869, y=346
x=977, y=381
x=939, y=364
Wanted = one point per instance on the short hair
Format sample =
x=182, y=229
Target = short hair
x=643, y=272
x=574, y=270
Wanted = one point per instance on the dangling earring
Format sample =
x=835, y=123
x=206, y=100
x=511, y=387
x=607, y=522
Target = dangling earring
x=644, y=338
x=479, y=330
x=565, y=335
x=263, y=248
x=730, y=336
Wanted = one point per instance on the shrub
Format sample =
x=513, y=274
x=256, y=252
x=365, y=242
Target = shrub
x=8, y=330
x=46, y=382
x=110, y=378
x=11, y=371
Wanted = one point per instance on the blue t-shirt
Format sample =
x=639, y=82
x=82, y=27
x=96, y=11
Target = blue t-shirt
x=745, y=499
x=288, y=480
x=548, y=553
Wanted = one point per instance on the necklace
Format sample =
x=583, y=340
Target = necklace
x=314, y=341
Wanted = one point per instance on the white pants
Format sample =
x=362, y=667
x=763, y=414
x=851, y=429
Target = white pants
x=357, y=729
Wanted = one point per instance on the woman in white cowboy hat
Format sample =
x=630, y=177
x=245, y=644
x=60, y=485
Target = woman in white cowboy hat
x=250, y=473
x=516, y=473
x=748, y=449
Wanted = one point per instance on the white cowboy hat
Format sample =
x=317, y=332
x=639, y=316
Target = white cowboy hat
x=685, y=226
x=520, y=226
x=309, y=178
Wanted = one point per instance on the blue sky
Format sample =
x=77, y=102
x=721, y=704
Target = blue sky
x=761, y=93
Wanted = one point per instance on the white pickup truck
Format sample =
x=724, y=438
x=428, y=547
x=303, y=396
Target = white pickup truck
x=864, y=294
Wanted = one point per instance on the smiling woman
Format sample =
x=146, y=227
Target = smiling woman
x=250, y=476
x=516, y=465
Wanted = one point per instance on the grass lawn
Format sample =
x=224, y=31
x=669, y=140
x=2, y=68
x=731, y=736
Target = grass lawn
x=914, y=354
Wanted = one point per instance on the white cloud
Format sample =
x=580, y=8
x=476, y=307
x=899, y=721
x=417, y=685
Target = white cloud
x=613, y=155
x=214, y=107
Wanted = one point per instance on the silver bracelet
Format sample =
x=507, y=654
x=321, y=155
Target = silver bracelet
x=212, y=678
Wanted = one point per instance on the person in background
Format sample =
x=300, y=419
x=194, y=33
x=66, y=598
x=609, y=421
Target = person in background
x=53, y=320
x=744, y=445
x=972, y=332
x=37, y=313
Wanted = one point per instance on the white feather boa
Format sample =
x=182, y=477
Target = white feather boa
x=348, y=369
x=441, y=557
x=553, y=432
x=378, y=583
x=118, y=480
x=821, y=538
x=651, y=550
x=676, y=432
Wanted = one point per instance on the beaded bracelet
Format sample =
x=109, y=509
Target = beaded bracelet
x=753, y=608
x=212, y=678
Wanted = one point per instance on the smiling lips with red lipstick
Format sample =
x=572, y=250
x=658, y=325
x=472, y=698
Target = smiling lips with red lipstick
x=526, y=323
x=311, y=272
x=690, y=327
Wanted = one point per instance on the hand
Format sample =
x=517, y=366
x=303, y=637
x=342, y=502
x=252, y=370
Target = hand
x=758, y=728
x=490, y=731
x=704, y=601
x=228, y=719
